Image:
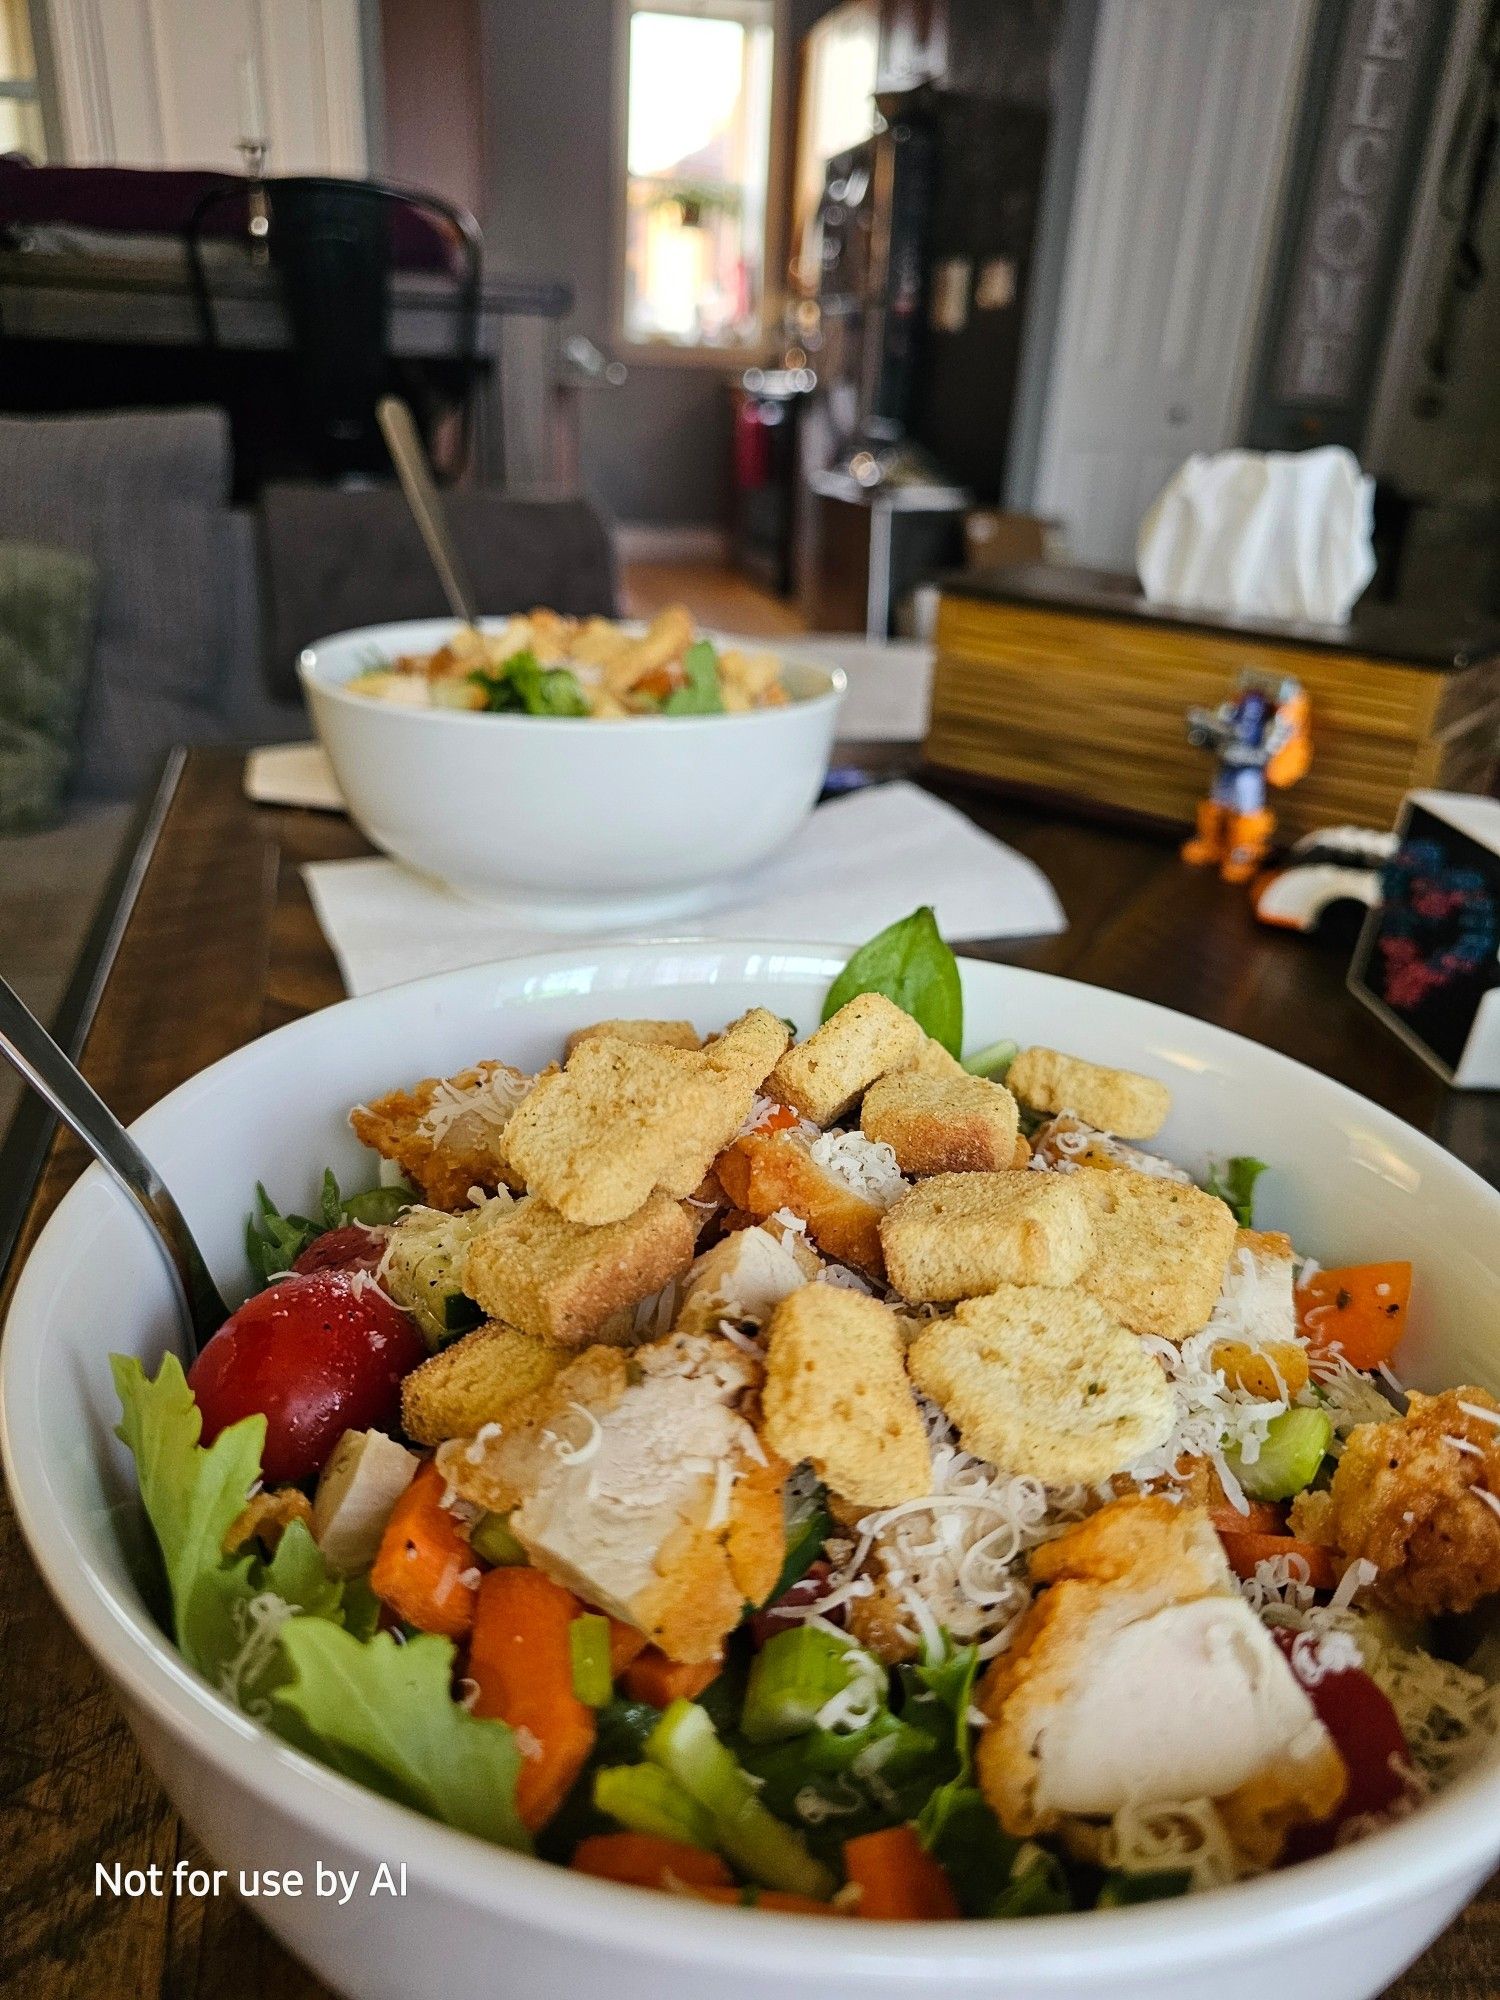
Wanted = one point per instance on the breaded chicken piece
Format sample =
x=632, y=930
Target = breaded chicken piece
x=623, y=1121
x=950, y=1125
x=640, y=1483
x=1262, y=1351
x=746, y=1275
x=1140, y=1676
x=447, y=1134
x=1115, y=1100
x=957, y=1236
x=836, y=1394
x=867, y=1038
x=1043, y=1382
x=1161, y=1251
x=564, y=1281
x=1407, y=1496
x=764, y=1172
x=476, y=1380
x=661, y=1034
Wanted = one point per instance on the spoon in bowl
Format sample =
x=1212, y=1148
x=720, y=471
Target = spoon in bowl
x=404, y=444
x=27, y=1046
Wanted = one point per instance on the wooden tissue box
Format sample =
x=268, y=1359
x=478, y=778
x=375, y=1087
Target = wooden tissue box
x=1066, y=683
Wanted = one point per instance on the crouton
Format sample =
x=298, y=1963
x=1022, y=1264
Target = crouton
x=475, y=1381
x=823, y=1076
x=1043, y=1382
x=265, y=1518
x=836, y=1393
x=958, y=1235
x=622, y=1121
x=768, y=1171
x=562, y=1280
x=661, y=1034
x=640, y=1484
x=1114, y=1100
x=447, y=1133
x=1098, y=1703
x=953, y=1125
x=750, y=1046
x=933, y=1060
x=1161, y=1251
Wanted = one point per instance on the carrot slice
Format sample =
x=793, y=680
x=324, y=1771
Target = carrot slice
x=650, y=1861
x=625, y=1644
x=521, y=1660
x=898, y=1879
x=1265, y=1517
x=769, y=1899
x=423, y=1560
x=653, y=1678
x=1246, y=1550
x=1360, y=1309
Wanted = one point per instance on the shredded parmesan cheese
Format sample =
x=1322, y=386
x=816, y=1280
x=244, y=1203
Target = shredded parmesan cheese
x=867, y=1167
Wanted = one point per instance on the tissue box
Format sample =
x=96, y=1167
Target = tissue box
x=1428, y=957
x=1066, y=683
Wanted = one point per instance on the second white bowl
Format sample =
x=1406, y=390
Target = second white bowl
x=572, y=821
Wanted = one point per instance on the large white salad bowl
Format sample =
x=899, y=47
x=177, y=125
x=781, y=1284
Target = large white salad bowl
x=581, y=824
x=1349, y=1181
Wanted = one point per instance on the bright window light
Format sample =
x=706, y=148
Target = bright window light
x=697, y=145
x=20, y=111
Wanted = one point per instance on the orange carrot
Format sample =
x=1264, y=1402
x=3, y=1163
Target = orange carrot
x=522, y=1662
x=624, y=1645
x=651, y=1861
x=1246, y=1550
x=779, y=1118
x=768, y=1899
x=652, y=1677
x=897, y=1878
x=423, y=1560
x=1264, y=1518
x=1361, y=1310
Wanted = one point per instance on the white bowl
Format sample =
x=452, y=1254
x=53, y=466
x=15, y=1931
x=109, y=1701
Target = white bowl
x=1350, y=1180
x=574, y=822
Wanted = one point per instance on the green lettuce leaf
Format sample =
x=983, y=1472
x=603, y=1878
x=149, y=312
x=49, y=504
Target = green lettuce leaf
x=1236, y=1187
x=910, y=964
x=523, y=686
x=274, y=1242
x=384, y=1714
x=700, y=693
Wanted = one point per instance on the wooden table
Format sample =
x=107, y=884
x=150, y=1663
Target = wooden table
x=221, y=946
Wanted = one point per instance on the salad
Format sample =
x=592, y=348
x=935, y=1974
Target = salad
x=548, y=664
x=835, y=1475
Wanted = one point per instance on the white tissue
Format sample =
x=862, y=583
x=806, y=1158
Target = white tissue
x=1279, y=535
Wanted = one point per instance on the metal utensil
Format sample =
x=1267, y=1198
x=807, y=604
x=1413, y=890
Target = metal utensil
x=415, y=475
x=25, y=1043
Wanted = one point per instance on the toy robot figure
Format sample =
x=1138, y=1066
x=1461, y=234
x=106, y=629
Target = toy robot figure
x=1259, y=737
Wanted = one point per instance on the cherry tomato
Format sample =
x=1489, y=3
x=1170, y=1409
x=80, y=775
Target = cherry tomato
x=318, y=1354
x=351, y=1248
x=1365, y=1730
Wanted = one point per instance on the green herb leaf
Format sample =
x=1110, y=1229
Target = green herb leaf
x=910, y=964
x=701, y=693
x=1237, y=1186
x=523, y=686
x=274, y=1242
x=385, y=1715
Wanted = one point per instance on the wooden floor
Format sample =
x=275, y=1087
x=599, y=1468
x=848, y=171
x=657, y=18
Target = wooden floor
x=716, y=595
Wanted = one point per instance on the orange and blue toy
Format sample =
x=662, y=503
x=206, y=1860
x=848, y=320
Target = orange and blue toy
x=1260, y=738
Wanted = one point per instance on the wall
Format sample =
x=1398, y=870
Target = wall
x=655, y=449
x=432, y=95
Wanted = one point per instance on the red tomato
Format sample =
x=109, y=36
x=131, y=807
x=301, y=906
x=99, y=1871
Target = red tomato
x=772, y=1618
x=1366, y=1732
x=352, y=1248
x=319, y=1355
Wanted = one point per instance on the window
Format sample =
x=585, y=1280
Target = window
x=20, y=106
x=698, y=132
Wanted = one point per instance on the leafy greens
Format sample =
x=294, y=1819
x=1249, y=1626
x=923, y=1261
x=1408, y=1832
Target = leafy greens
x=1237, y=1186
x=274, y=1242
x=523, y=686
x=911, y=965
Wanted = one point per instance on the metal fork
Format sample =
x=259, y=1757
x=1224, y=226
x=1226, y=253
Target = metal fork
x=27, y=1046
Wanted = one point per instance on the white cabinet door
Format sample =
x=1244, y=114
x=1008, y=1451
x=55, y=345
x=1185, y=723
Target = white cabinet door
x=171, y=83
x=1185, y=135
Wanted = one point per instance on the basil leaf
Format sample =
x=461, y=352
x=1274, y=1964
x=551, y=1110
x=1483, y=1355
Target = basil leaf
x=700, y=693
x=910, y=964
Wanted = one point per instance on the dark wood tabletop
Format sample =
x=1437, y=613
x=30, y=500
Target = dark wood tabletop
x=220, y=946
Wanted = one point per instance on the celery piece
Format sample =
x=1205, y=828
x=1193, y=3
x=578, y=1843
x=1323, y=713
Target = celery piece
x=993, y=1061
x=492, y=1541
x=648, y=1799
x=1037, y=1886
x=686, y=1744
x=1152, y=1885
x=1296, y=1445
x=794, y=1674
x=588, y=1645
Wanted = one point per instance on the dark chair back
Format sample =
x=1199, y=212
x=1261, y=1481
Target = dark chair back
x=331, y=244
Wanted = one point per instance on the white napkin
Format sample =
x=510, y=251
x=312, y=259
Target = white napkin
x=1283, y=535
x=858, y=864
x=292, y=774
